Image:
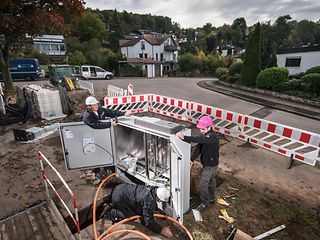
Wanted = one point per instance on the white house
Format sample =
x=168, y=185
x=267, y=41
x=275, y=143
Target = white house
x=160, y=51
x=52, y=45
x=299, y=60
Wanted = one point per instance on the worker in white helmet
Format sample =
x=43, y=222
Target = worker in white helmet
x=128, y=200
x=92, y=117
x=94, y=114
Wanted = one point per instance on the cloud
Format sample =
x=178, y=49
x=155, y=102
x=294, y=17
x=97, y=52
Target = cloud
x=196, y=13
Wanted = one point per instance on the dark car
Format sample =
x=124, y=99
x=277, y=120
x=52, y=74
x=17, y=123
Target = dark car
x=24, y=68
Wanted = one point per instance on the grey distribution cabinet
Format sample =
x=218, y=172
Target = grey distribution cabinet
x=142, y=149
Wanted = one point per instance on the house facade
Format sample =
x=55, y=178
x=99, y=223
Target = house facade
x=51, y=45
x=161, y=49
x=298, y=60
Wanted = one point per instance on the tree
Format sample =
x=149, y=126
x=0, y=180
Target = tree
x=252, y=60
x=91, y=26
x=239, y=28
x=77, y=58
x=32, y=17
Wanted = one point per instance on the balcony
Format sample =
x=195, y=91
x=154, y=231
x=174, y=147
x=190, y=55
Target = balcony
x=171, y=48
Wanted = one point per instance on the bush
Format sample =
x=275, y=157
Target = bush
x=315, y=69
x=221, y=72
x=311, y=82
x=77, y=58
x=270, y=77
x=234, y=79
x=215, y=62
x=296, y=76
x=187, y=63
x=235, y=68
x=291, y=85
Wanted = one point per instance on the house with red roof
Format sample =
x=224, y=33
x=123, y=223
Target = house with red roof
x=154, y=53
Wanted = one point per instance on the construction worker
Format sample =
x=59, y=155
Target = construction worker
x=93, y=116
x=128, y=200
x=208, y=149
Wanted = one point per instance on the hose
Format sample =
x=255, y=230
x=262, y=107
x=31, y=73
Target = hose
x=95, y=205
x=155, y=215
x=124, y=231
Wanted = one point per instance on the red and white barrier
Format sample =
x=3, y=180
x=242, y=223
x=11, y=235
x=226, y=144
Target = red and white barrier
x=298, y=144
x=75, y=217
x=134, y=104
x=130, y=90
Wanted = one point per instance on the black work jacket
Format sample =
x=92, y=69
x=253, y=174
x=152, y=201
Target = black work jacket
x=140, y=199
x=93, y=120
x=208, y=147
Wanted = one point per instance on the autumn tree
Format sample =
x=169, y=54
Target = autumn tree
x=33, y=17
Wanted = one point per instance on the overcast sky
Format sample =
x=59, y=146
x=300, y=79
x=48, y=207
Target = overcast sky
x=196, y=13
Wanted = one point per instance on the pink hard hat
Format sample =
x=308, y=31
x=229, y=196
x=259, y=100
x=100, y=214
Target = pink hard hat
x=204, y=122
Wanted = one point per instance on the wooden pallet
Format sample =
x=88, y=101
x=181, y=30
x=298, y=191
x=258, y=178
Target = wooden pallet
x=42, y=222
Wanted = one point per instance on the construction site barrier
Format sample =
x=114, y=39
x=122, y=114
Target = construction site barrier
x=87, y=85
x=2, y=103
x=75, y=217
x=291, y=142
x=114, y=91
x=130, y=89
x=133, y=104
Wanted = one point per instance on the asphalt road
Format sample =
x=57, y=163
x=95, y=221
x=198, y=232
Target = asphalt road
x=187, y=89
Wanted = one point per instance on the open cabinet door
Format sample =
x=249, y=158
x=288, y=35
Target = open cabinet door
x=84, y=147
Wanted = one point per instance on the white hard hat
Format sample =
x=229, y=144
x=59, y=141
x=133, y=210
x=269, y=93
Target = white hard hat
x=163, y=194
x=91, y=100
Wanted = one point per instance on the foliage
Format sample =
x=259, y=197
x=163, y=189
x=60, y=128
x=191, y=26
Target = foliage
x=235, y=68
x=77, y=58
x=270, y=77
x=215, y=61
x=187, y=62
x=272, y=61
x=252, y=59
x=312, y=83
x=315, y=69
x=296, y=76
x=43, y=58
x=19, y=18
x=90, y=26
x=222, y=73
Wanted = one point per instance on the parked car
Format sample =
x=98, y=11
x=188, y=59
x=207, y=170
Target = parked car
x=24, y=68
x=95, y=72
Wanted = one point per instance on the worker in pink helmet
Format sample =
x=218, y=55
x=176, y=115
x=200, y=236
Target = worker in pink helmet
x=208, y=149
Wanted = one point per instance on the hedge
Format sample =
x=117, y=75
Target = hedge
x=315, y=69
x=235, y=68
x=312, y=82
x=270, y=77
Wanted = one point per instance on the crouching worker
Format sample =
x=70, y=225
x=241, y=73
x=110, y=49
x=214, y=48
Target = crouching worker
x=128, y=200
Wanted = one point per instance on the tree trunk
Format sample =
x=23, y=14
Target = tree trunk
x=4, y=65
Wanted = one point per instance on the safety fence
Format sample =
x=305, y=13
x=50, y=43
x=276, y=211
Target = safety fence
x=75, y=217
x=87, y=85
x=291, y=142
x=2, y=103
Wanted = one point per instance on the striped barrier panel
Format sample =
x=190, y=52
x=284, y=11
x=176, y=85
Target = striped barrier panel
x=225, y=122
x=294, y=143
x=172, y=107
x=130, y=89
x=133, y=104
x=299, y=144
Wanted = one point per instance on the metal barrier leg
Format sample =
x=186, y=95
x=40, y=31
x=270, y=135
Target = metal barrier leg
x=247, y=144
x=290, y=162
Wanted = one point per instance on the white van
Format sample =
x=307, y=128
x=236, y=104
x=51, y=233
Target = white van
x=95, y=72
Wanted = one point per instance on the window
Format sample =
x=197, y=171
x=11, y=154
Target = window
x=156, y=56
x=99, y=70
x=85, y=69
x=140, y=55
x=293, y=61
x=46, y=47
x=143, y=46
x=62, y=47
x=54, y=47
x=146, y=55
x=161, y=57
